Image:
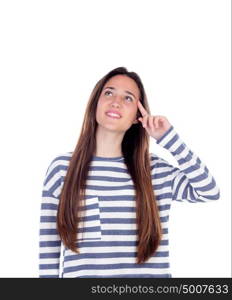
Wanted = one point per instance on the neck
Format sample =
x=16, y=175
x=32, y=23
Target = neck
x=108, y=143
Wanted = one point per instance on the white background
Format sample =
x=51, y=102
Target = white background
x=52, y=54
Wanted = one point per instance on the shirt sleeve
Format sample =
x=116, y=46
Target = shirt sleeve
x=192, y=181
x=49, y=239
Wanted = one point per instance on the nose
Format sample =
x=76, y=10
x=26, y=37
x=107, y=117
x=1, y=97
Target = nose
x=116, y=101
x=115, y=104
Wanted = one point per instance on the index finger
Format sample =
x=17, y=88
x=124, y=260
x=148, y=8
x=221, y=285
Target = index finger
x=142, y=109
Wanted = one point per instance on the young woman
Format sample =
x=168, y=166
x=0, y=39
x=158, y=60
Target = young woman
x=107, y=203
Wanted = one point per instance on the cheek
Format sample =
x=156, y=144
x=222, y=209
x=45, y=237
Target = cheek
x=134, y=112
x=131, y=116
x=100, y=107
x=101, y=102
x=98, y=110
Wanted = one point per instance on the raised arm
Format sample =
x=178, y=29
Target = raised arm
x=192, y=181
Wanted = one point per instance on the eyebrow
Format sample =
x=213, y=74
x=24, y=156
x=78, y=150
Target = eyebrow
x=112, y=88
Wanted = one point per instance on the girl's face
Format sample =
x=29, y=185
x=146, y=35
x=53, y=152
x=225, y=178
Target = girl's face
x=119, y=94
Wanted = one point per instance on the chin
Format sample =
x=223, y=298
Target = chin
x=113, y=128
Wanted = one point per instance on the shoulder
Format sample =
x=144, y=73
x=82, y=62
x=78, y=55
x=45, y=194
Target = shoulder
x=59, y=161
x=55, y=172
x=159, y=162
x=154, y=159
x=61, y=158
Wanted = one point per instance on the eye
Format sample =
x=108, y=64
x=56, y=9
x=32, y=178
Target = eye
x=107, y=92
x=129, y=97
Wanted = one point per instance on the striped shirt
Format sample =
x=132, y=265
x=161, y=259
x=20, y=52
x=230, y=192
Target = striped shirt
x=108, y=240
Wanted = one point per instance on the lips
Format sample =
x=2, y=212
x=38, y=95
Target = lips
x=113, y=114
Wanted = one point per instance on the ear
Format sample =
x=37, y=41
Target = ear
x=136, y=121
x=136, y=118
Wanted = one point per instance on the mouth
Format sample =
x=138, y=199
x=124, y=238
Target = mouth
x=113, y=115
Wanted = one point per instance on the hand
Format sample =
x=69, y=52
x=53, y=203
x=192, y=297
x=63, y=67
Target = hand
x=155, y=126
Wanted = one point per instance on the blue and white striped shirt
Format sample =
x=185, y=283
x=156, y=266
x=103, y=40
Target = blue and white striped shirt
x=108, y=241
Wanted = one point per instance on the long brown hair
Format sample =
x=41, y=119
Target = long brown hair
x=135, y=150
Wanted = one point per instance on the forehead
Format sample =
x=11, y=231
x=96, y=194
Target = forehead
x=124, y=83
